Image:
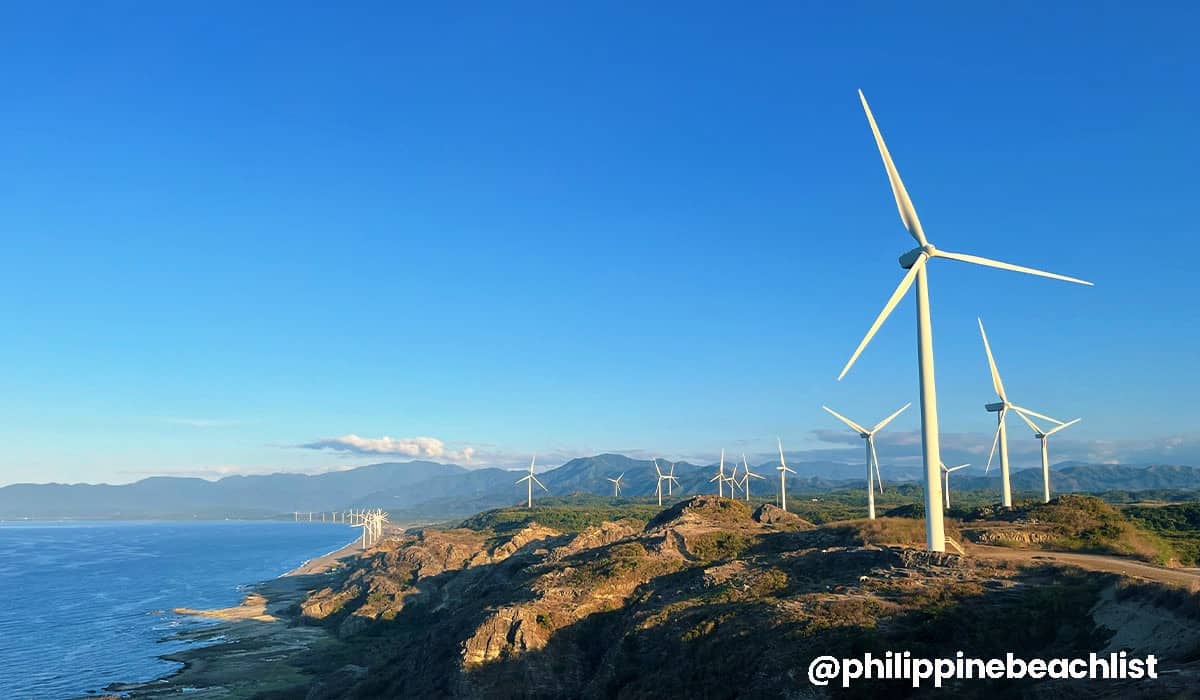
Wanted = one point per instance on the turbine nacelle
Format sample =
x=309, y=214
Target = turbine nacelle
x=911, y=257
x=995, y=407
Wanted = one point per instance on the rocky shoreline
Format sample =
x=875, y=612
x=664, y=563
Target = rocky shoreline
x=239, y=652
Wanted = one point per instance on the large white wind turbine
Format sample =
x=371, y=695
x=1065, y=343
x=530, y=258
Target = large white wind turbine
x=783, y=470
x=915, y=261
x=747, y=476
x=946, y=479
x=1001, y=409
x=720, y=477
x=1044, y=435
x=617, y=485
x=530, y=480
x=872, y=457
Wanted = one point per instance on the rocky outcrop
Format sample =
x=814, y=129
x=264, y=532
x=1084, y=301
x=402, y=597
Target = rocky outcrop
x=1009, y=537
x=770, y=514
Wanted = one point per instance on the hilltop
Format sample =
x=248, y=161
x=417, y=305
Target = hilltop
x=715, y=598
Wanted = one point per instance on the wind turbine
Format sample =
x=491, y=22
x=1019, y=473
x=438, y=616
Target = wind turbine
x=946, y=480
x=530, y=480
x=1001, y=409
x=1044, y=435
x=872, y=457
x=783, y=472
x=617, y=485
x=734, y=484
x=746, y=477
x=915, y=261
x=671, y=479
x=720, y=476
x=661, y=478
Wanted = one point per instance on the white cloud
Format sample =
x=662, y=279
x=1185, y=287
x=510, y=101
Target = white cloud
x=420, y=447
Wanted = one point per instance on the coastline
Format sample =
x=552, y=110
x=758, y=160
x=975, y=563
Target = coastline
x=245, y=650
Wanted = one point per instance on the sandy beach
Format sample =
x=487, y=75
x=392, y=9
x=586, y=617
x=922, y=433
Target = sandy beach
x=247, y=649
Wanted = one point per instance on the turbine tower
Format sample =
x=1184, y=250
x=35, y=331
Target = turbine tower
x=720, y=476
x=530, y=480
x=946, y=480
x=1001, y=409
x=747, y=476
x=915, y=262
x=783, y=472
x=1044, y=435
x=617, y=485
x=872, y=458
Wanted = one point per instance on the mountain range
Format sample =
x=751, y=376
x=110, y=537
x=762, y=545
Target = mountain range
x=429, y=490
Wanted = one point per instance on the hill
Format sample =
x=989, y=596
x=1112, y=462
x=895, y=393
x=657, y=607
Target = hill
x=706, y=598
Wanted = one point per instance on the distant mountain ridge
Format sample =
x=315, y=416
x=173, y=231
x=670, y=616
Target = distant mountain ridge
x=423, y=489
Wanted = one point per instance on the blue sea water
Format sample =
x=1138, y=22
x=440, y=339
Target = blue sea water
x=85, y=604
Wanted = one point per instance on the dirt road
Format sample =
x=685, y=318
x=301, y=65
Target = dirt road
x=1091, y=562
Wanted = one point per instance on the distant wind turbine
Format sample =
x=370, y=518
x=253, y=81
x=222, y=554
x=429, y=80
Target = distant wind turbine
x=946, y=480
x=530, y=480
x=1044, y=435
x=671, y=479
x=1001, y=409
x=720, y=476
x=872, y=457
x=617, y=485
x=658, y=487
x=915, y=262
x=783, y=472
x=734, y=484
x=747, y=476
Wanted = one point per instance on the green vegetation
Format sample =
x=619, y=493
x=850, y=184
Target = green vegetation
x=1178, y=525
x=1088, y=524
x=563, y=514
x=719, y=546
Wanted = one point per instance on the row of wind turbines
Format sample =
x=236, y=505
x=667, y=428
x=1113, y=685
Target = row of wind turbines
x=915, y=262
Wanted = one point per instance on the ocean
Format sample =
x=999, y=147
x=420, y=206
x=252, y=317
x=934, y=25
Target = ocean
x=86, y=604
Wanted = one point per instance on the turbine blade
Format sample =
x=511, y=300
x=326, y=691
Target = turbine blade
x=1035, y=414
x=892, y=301
x=1064, y=425
x=996, y=383
x=995, y=443
x=1028, y=422
x=853, y=426
x=875, y=459
x=780, y=441
x=889, y=419
x=987, y=262
x=535, y=480
x=908, y=213
x=961, y=466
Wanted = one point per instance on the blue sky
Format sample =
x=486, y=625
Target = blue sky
x=234, y=231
